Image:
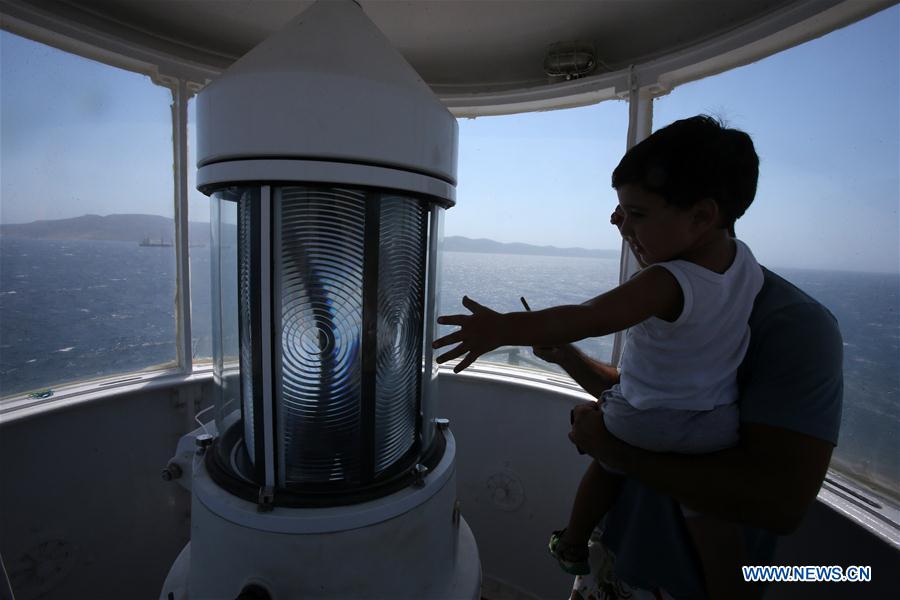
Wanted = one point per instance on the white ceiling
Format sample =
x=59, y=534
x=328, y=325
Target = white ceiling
x=479, y=56
x=460, y=43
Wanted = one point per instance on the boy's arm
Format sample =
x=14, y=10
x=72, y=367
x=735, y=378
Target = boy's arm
x=768, y=480
x=652, y=292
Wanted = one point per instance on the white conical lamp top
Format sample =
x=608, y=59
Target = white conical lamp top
x=328, y=87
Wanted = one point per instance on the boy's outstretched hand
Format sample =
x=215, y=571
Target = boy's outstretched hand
x=478, y=334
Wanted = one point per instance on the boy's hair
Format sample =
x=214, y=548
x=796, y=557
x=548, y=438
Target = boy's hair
x=693, y=159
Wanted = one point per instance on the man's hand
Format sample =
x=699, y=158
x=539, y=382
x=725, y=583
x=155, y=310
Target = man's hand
x=589, y=434
x=768, y=480
x=478, y=334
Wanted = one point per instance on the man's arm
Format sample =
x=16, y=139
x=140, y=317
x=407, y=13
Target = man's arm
x=593, y=376
x=768, y=480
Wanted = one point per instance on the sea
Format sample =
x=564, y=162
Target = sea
x=80, y=310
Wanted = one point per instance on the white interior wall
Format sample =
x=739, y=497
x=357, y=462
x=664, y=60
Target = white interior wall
x=84, y=512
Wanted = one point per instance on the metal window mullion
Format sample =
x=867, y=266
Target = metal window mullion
x=265, y=305
x=371, y=246
x=180, y=95
x=640, y=126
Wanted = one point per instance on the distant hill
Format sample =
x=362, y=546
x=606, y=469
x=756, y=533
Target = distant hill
x=463, y=244
x=112, y=228
x=134, y=228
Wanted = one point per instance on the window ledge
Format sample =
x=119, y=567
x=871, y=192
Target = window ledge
x=18, y=407
x=869, y=510
x=555, y=382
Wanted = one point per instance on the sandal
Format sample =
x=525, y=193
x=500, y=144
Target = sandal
x=570, y=560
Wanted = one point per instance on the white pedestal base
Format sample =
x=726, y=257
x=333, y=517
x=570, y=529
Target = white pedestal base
x=411, y=544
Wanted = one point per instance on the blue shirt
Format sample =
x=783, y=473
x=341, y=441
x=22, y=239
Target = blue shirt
x=791, y=378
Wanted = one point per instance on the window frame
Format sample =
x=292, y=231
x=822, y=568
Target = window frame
x=181, y=88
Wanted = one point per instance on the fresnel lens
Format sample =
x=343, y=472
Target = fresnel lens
x=329, y=164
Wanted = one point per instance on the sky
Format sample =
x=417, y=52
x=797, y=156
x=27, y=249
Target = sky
x=77, y=137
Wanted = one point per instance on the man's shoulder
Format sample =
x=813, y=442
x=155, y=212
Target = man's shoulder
x=779, y=297
x=784, y=316
x=792, y=376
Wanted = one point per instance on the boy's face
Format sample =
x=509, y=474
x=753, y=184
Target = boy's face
x=655, y=230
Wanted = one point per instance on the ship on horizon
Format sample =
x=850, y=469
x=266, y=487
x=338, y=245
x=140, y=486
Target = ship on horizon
x=148, y=242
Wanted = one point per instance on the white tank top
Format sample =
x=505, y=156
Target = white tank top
x=691, y=363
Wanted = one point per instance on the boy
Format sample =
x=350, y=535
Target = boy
x=680, y=192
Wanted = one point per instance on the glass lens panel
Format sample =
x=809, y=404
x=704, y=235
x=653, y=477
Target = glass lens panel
x=319, y=282
x=224, y=304
x=825, y=213
x=248, y=211
x=430, y=370
x=87, y=261
x=401, y=289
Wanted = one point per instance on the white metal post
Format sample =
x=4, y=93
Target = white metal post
x=180, y=96
x=640, y=125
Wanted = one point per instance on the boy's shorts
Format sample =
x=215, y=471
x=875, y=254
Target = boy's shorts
x=670, y=430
